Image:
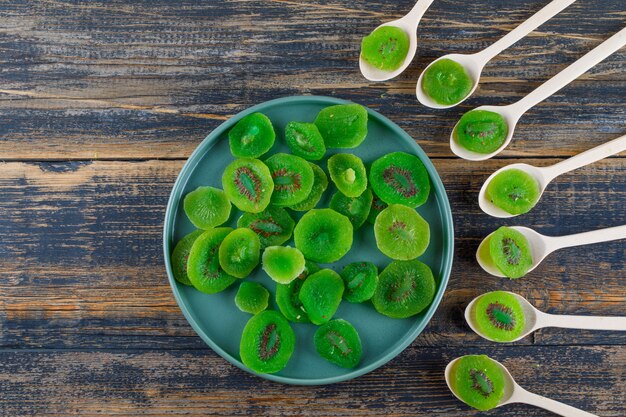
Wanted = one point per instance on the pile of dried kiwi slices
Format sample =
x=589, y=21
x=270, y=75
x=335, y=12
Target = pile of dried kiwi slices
x=269, y=190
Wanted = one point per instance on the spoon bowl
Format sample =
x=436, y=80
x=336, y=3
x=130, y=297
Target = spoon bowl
x=374, y=74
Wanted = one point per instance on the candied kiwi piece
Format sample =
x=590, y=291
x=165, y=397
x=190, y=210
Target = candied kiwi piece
x=514, y=191
x=478, y=381
x=342, y=125
x=267, y=342
x=304, y=140
x=356, y=209
x=239, y=252
x=252, y=136
x=292, y=177
x=446, y=82
x=405, y=288
x=348, y=173
x=320, y=295
x=320, y=183
x=283, y=263
x=400, y=178
x=338, y=342
x=273, y=225
x=499, y=315
x=180, y=255
x=360, y=280
x=203, y=265
x=385, y=48
x=207, y=207
x=510, y=252
x=401, y=233
x=252, y=297
x=248, y=184
x=481, y=131
x=288, y=295
x=323, y=235
x=378, y=205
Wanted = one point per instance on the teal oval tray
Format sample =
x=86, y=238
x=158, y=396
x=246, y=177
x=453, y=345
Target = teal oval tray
x=216, y=318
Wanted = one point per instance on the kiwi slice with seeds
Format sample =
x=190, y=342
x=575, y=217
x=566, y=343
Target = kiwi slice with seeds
x=292, y=177
x=207, y=207
x=320, y=183
x=481, y=131
x=400, y=178
x=203, y=265
x=304, y=140
x=514, y=191
x=267, y=342
x=252, y=136
x=378, y=205
x=239, y=252
x=360, y=280
x=499, y=315
x=288, y=295
x=385, y=48
x=321, y=295
x=338, y=342
x=323, y=235
x=248, y=184
x=401, y=233
x=478, y=381
x=342, y=125
x=356, y=209
x=510, y=252
x=273, y=225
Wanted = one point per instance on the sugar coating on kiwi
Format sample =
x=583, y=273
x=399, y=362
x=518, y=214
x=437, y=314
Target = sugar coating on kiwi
x=348, y=173
x=305, y=140
x=342, y=125
x=283, y=263
x=400, y=178
x=273, y=225
x=385, y=48
x=481, y=131
x=180, y=254
x=203, y=265
x=288, y=295
x=239, y=252
x=207, y=207
x=514, y=191
x=360, y=281
x=356, y=209
x=446, y=82
x=338, y=342
x=478, y=381
x=252, y=136
x=252, y=297
x=510, y=252
x=292, y=177
x=499, y=315
x=321, y=295
x=378, y=205
x=267, y=342
x=320, y=183
x=323, y=235
x=405, y=288
x=248, y=184
x=401, y=233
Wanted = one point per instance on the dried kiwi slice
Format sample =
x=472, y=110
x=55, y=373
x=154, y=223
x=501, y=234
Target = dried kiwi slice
x=385, y=48
x=348, y=173
x=378, y=205
x=207, y=207
x=321, y=295
x=342, y=125
x=203, y=265
x=446, y=82
x=283, y=263
x=510, y=252
x=360, y=280
x=356, y=209
x=239, y=252
x=338, y=342
x=514, y=191
x=180, y=255
x=323, y=235
x=481, y=131
x=400, y=178
x=405, y=288
x=304, y=140
x=252, y=136
x=267, y=342
x=288, y=295
x=273, y=225
x=248, y=184
x=401, y=233
x=478, y=381
x=320, y=183
x=292, y=176
x=252, y=297
x=499, y=315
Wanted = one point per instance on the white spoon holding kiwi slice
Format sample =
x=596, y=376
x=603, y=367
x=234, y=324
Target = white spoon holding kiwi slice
x=516, y=188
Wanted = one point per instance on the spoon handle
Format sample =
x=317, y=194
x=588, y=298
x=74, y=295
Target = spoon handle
x=416, y=13
x=536, y=20
x=556, y=407
x=582, y=322
x=572, y=72
x=586, y=238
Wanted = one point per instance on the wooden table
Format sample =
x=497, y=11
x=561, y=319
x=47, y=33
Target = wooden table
x=101, y=102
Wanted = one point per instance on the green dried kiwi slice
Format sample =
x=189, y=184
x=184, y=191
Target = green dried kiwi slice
x=239, y=252
x=356, y=209
x=292, y=176
x=385, y=48
x=499, y=315
x=481, y=131
x=267, y=342
x=288, y=295
x=248, y=184
x=405, y=288
x=321, y=295
x=338, y=342
x=378, y=205
x=320, y=183
x=180, y=254
x=446, y=82
x=400, y=178
x=283, y=263
x=514, y=191
x=323, y=235
x=348, y=173
x=273, y=225
x=203, y=265
x=478, y=381
x=342, y=125
x=401, y=233
x=207, y=207
x=304, y=140
x=252, y=297
x=510, y=252
x=360, y=280
x=252, y=136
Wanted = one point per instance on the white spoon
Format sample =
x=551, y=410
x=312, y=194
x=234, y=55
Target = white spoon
x=409, y=24
x=545, y=175
x=513, y=393
x=541, y=246
x=513, y=112
x=536, y=319
x=475, y=63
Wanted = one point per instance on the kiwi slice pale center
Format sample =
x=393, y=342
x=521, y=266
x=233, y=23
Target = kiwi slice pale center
x=357, y=280
x=248, y=183
x=270, y=342
x=398, y=229
x=303, y=141
x=338, y=341
x=266, y=227
x=400, y=180
x=401, y=288
x=511, y=250
x=481, y=382
x=480, y=130
x=501, y=316
x=388, y=47
x=250, y=135
x=285, y=179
